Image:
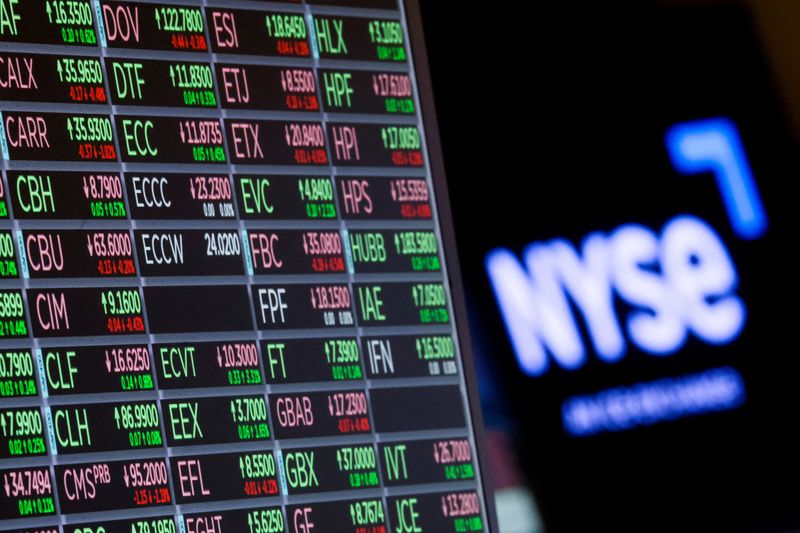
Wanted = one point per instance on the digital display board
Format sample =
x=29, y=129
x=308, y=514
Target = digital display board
x=225, y=304
x=629, y=250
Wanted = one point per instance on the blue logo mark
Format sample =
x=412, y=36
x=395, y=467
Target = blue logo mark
x=714, y=145
x=677, y=283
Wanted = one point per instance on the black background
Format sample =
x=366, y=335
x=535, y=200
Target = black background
x=552, y=120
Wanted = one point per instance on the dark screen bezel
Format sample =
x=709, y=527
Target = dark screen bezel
x=453, y=274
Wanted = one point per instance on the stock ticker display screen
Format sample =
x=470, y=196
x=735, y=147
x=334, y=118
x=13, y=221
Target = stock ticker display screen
x=224, y=303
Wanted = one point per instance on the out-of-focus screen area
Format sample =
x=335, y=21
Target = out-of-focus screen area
x=624, y=183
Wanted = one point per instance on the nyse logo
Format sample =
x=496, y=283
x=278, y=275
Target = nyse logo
x=677, y=283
